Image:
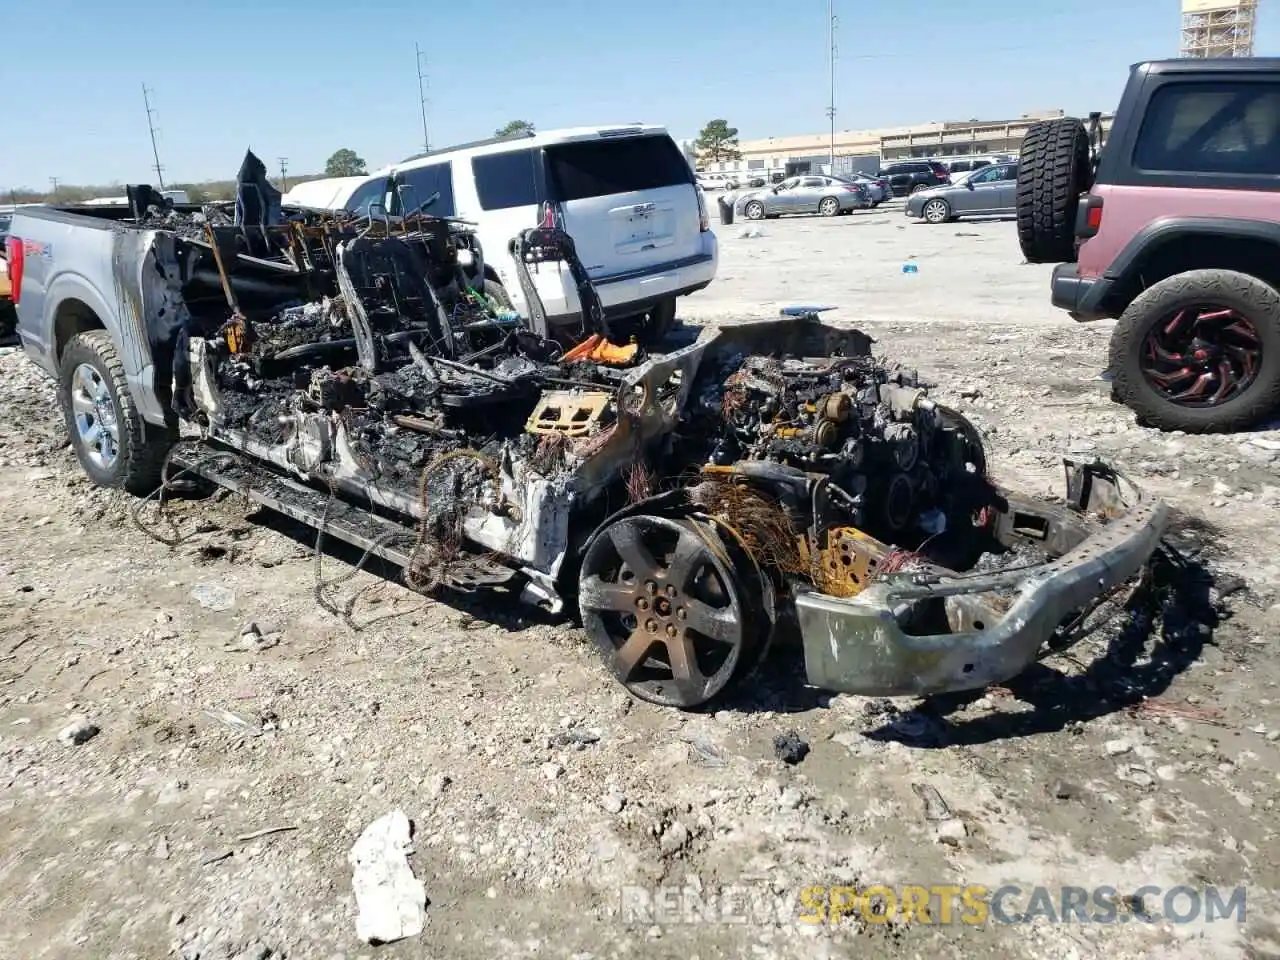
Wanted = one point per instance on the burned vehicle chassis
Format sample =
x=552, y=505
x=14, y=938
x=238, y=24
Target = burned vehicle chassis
x=693, y=501
x=683, y=590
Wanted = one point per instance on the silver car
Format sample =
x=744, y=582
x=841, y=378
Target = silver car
x=828, y=196
x=877, y=187
x=989, y=192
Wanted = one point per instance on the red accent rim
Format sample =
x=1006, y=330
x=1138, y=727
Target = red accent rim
x=1201, y=356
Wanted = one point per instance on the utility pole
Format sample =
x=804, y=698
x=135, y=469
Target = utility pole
x=146, y=99
x=831, y=75
x=284, y=174
x=54, y=181
x=422, y=99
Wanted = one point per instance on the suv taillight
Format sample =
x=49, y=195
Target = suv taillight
x=547, y=217
x=704, y=219
x=13, y=247
x=1089, y=217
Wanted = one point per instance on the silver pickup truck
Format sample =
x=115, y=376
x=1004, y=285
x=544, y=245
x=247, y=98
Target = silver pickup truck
x=364, y=377
x=95, y=308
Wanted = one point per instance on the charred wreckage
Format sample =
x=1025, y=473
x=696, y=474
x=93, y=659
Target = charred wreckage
x=689, y=499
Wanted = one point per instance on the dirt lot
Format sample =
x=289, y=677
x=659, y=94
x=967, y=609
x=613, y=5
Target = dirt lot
x=540, y=791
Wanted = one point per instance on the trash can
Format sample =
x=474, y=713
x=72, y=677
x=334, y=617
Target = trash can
x=726, y=210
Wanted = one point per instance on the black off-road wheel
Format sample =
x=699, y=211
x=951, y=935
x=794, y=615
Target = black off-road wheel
x=1200, y=352
x=1053, y=171
x=114, y=445
x=673, y=613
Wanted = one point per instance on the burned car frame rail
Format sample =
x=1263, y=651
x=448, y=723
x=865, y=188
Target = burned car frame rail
x=856, y=645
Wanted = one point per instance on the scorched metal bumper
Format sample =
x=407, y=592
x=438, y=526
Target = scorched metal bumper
x=857, y=645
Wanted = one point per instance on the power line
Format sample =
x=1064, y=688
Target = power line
x=146, y=99
x=423, y=83
x=284, y=174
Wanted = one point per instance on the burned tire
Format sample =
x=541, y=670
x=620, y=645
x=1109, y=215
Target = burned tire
x=1200, y=352
x=498, y=292
x=1053, y=170
x=114, y=445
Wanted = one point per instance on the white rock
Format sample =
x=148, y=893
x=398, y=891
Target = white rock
x=951, y=832
x=1135, y=775
x=390, y=901
x=213, y=596
x=78, y=731
x=552, y=771
x=1116, y=747
x=613, y=803
x=674, y=837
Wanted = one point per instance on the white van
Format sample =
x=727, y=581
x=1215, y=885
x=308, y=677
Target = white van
x=329, y=193
x=625, y=194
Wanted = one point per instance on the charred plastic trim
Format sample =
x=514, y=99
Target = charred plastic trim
x=858, y=646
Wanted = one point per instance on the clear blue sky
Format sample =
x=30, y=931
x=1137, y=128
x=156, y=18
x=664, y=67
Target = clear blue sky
x=301, y=78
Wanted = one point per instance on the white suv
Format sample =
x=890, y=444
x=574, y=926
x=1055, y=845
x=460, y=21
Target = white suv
x=626, y=195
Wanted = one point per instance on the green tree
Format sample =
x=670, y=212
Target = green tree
x=718, y=141
x=515, y=128
x=345, y=163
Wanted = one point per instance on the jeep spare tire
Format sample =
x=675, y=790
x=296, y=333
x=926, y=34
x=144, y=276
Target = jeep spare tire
x=1053, y=170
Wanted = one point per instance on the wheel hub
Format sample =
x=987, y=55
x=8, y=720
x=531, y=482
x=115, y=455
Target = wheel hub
x=94, y=411
x=1201, y=356
x=665, y=608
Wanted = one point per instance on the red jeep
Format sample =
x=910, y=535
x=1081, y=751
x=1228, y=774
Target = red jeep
x=1174, y=228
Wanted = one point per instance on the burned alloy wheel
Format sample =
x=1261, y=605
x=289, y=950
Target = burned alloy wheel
x=663, y=602
x=1201, y=356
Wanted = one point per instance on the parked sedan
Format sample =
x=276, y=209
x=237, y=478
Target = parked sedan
x=877, y=187
x=828, y=196
x=988, y=192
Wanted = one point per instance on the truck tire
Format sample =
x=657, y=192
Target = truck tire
x=114, y=445
x=659, y=322
x=498, y=292
x=1053, y=170
x=1156, y=367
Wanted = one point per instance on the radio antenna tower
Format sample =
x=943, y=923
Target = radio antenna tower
x=422, y=99
x=831, y=76
x=146, y=98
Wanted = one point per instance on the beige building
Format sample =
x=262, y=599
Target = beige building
x=944, y=139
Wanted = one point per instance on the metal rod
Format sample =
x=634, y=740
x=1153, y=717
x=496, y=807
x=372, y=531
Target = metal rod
x=232, y=302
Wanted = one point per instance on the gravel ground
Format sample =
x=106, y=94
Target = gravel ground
x=540, y=793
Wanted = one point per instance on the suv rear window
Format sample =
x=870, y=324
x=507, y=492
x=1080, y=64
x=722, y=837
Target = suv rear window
x=505, y=180
x=601, y=168
x=420, y=184
x=1212, y=127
